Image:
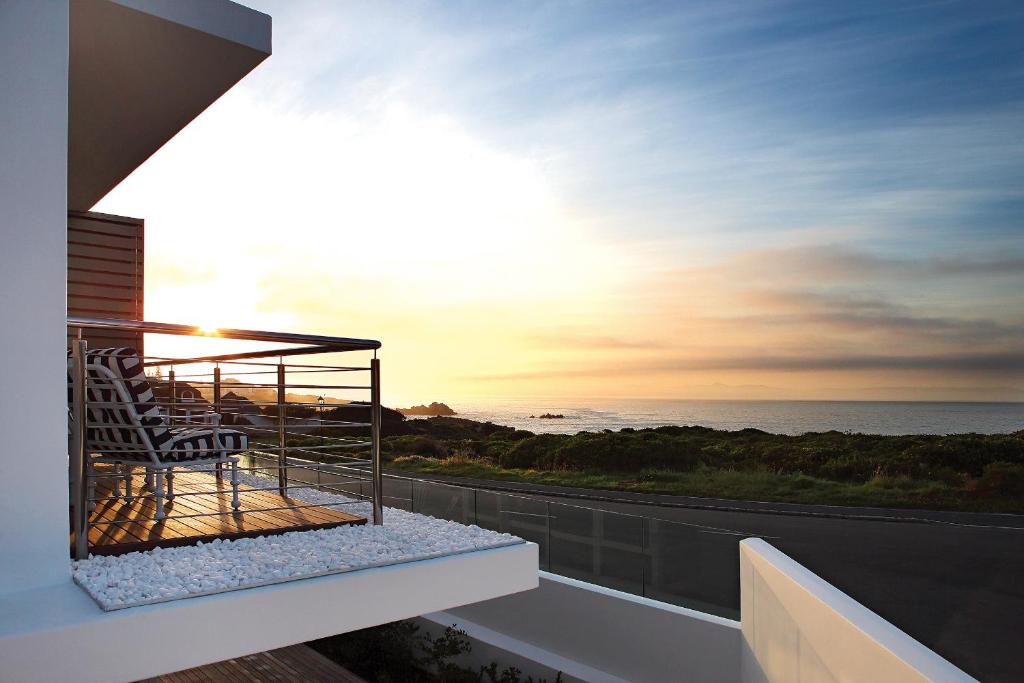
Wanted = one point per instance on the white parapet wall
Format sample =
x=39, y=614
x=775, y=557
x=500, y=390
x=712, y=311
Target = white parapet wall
x=596, y=634
x=798, y=627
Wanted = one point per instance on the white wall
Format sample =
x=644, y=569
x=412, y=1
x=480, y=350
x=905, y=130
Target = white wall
x=798, y=627
x=597, y=634
x=33, y=220
x=59, y=634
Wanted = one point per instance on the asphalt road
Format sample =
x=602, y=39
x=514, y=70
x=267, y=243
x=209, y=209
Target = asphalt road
x=955, y=583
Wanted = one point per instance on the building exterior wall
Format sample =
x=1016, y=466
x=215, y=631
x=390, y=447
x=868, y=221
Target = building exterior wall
x=596, y=634
x=33, y=263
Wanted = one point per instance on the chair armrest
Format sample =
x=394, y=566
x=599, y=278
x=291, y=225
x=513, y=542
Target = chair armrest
x=210, y=418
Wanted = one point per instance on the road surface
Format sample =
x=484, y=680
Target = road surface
x=955, y=583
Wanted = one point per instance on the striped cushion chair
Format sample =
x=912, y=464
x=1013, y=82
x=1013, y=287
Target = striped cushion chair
x=127, y=427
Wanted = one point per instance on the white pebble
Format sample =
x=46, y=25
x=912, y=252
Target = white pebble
x=173, y=573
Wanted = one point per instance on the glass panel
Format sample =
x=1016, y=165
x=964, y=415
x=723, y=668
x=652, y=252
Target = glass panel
x=396, y=492
x=340, y=481
x=443, y=502
x=597, y=546
x=341, y=485
x=526, y=518
x=298, y=472
x=694, y=567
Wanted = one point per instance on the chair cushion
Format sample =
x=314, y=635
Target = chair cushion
x=112, y=431
x=110, y=417
x=197, y=443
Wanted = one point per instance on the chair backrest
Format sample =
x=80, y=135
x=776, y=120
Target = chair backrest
x=124, y=419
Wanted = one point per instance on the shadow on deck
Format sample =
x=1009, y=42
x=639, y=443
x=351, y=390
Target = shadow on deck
x=118, y=526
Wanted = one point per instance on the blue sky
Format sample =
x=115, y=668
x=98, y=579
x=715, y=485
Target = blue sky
x=813, y=199
x=779, y=115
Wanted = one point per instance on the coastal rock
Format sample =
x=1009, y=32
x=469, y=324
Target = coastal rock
x=435, y=409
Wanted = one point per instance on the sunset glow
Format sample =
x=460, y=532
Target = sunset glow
x=670, y=213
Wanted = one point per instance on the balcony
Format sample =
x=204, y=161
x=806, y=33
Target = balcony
x=197, y=473
x=136, y=487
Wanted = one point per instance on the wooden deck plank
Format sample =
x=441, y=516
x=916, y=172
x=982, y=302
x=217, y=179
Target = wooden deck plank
x=296, y=663
x=122, y=532
x=262, y=513
x=308, y=659
x=265, y=503
x=253, y=506
x=146, y=529
x=270, y=503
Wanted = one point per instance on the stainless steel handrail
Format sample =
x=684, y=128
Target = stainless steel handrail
x=299, y=344
x=334, y=343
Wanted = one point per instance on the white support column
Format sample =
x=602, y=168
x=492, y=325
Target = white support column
x=33, y=301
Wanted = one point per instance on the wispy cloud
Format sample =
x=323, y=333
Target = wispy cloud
x=581, y=341
x=1010, y=365
x=780, y=194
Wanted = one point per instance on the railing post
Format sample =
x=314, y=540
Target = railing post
x=216, y=389
x=79, y=462
x=547, y=544
x=282, y=457
x=376, y=474
x=171, y=392
x=644, y=557
x=216, y=409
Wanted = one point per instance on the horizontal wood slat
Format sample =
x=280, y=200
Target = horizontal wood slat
x=103, y=291
x=97, y=307
x=87, y=274
x=106, y=271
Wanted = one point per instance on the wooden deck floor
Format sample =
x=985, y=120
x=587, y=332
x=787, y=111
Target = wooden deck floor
x=299, y=663
x=256, y=517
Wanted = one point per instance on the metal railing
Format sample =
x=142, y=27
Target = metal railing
x=249, y=394
x=293, y=448
x=686, y=564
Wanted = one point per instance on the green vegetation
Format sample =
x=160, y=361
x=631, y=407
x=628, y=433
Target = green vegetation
x=958, y=472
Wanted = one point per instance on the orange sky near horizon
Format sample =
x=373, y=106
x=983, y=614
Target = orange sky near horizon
x=486, y=273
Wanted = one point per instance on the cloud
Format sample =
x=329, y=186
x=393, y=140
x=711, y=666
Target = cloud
x=589, y=342
x=1008, y=364
x=835, y=262
x=727, y=190
x=858, y=314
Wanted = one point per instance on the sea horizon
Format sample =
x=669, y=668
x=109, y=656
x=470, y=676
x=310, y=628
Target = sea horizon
x=779, y=416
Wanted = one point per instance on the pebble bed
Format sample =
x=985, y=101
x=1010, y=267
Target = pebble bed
x=164, y=574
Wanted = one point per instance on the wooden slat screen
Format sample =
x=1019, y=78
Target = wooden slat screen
x=106, y=273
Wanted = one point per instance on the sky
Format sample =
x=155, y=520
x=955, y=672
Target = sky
x=792, y=200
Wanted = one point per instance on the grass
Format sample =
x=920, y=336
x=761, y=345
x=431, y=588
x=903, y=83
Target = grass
x=968, y=472
x=705, y=482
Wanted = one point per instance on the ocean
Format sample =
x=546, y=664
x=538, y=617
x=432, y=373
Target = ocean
x=779, y=417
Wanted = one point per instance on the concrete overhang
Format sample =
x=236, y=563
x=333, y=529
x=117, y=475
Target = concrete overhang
x=140, y=71
x=59, y=634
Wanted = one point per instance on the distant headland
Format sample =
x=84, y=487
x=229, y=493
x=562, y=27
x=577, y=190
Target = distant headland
x=435, y=409
x=548, y=416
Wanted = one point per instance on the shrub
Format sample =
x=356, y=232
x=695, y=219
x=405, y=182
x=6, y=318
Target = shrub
x=533, y=452
x=413, y=460
x=461, y=456
x=428, y=447
x=1002, y=479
